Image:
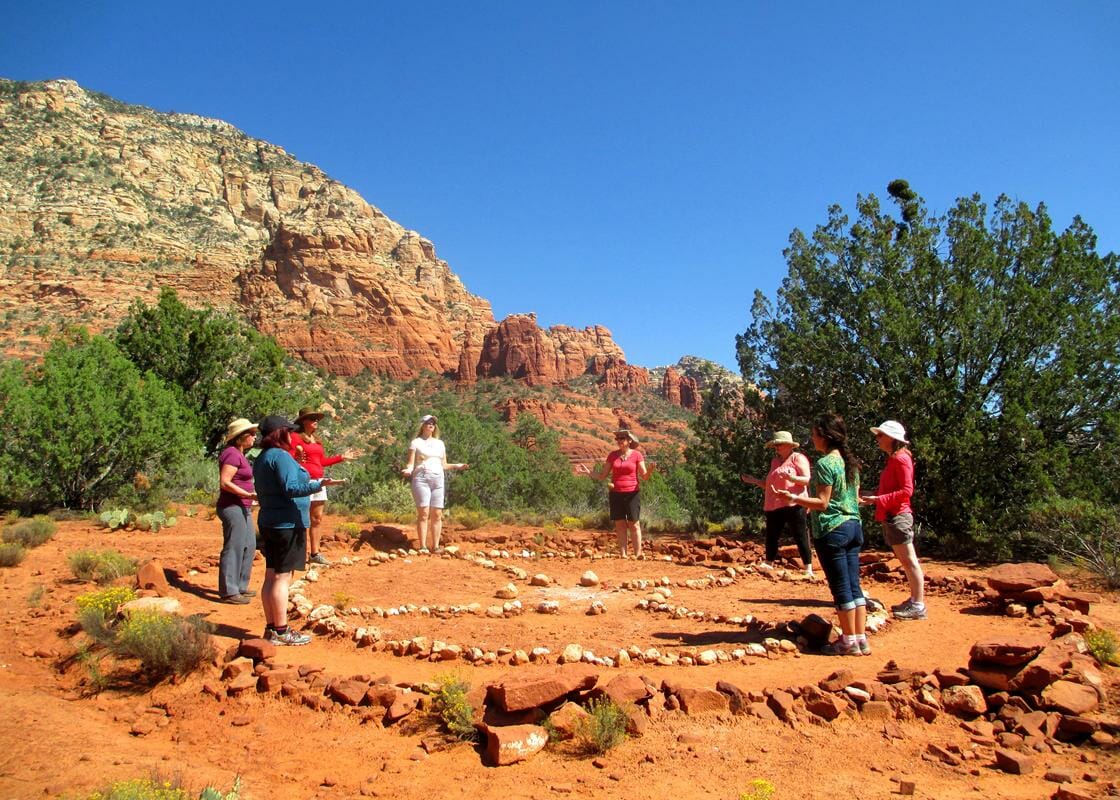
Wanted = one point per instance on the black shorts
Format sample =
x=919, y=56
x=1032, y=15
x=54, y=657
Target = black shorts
x=625, y=505
x=285, y=549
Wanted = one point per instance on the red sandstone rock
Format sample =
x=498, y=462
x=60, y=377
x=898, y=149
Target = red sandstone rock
x=1008, y=651
x=828, y=706
x=964, y=701
x=1013, y=762
x=1070, y=698
x=512, y=743
x=521, y=693
x=566, y=719
x=150, y=575
x=624, y=689
x=348, y=693
x=697, y=700
x=1012, y=578
x=257, y=649
x=681, y=390
x=781, y=703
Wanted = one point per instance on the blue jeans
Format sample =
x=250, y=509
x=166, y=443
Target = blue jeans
x=839, y=554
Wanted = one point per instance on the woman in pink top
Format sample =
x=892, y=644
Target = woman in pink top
x=625, y=466
x=306, y=448
x=892, y=508
x=789, y=471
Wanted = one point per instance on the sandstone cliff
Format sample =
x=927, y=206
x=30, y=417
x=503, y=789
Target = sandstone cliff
x=102, y=203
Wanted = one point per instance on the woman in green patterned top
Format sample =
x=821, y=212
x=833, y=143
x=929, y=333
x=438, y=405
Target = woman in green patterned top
x=837, y=533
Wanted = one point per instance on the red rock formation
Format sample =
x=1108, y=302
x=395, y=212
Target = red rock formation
x=681, y=390
x=619, y=376
x=517, y=347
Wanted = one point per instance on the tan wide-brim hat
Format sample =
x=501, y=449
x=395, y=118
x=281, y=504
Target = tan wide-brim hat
x=628, y=434
x=238, y=427
x=309, y=413
x=782, y=437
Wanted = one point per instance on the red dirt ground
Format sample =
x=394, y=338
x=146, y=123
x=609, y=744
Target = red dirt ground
x=57, y=739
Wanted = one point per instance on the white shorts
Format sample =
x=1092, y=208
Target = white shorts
x=427, y=489
x=319, y=496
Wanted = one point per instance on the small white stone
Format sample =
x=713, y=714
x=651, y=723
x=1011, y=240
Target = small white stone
x=589, y=578
x=571, y=654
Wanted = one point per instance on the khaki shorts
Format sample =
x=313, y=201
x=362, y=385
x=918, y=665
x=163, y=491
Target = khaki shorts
x=899, y=529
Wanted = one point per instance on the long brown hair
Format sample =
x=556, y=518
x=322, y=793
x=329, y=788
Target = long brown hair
x=834, y=431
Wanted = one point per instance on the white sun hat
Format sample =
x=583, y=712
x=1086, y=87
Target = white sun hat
x=892, y=429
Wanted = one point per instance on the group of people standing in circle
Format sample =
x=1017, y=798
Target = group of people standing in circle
x=289, y=484
x=830, y=494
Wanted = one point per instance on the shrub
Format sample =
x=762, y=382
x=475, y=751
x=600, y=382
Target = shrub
x=30, y=532
x=1102, y=645
x=1084, y=532
x=759, y=790
x=11, y=554
x=35, y=596
x=351, y=529
x=604, y=728
x=164, y=644
x=454, y=709
x=156, y=789
x=103, y=567
x=572, y=523
x=469, y=519
x=105, y=602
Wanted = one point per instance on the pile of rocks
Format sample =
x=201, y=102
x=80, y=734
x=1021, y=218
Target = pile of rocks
x=1035, y=590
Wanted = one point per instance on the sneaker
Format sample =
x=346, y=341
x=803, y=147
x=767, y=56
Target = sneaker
x=864, y=647
x=839, y=648
x=289, y=637
x=249, y=592
x=319, y=558
x=236, y=599
x=913, y=611
x=904, y=604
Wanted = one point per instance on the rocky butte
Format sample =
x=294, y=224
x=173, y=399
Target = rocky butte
x=102, y=203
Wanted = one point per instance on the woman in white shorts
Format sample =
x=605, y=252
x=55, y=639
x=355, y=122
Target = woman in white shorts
x=427, y=463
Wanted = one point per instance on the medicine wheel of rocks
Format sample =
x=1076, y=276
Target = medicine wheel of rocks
x=480, y=605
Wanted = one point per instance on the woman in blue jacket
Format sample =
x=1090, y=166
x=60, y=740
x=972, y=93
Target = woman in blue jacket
x=283, y=492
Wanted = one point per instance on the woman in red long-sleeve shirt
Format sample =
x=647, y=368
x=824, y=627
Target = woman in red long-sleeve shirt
x=306, y=448
x=892, y=508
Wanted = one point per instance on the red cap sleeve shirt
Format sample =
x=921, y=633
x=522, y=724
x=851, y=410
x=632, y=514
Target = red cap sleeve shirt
x=314, y=458
x=624, y=472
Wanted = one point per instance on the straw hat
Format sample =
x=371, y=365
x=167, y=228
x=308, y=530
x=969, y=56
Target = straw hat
x=782, y=437
x=892, y=429
x=238, y=427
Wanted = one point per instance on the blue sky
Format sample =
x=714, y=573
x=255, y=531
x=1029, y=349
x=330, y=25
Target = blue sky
x=638, y=165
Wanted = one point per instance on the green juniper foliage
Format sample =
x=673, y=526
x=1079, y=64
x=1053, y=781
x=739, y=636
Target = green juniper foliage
x=991, y=335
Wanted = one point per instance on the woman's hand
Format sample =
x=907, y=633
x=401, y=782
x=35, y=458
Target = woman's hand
x=349, y=454
x=331, y=481
x=868, y=499
x=407, y=472
x=462, y=467
x=583, y=469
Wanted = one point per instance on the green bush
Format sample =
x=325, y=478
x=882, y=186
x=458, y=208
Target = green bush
x=1102, y=645
x=450, y=703
x=165, y=644
x=1085, y=533
x=83, y=423
x=31, y=532
x=604, y=727
x=103, y=567
x=11, y=554
x=105, y=602
x=470, y=519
